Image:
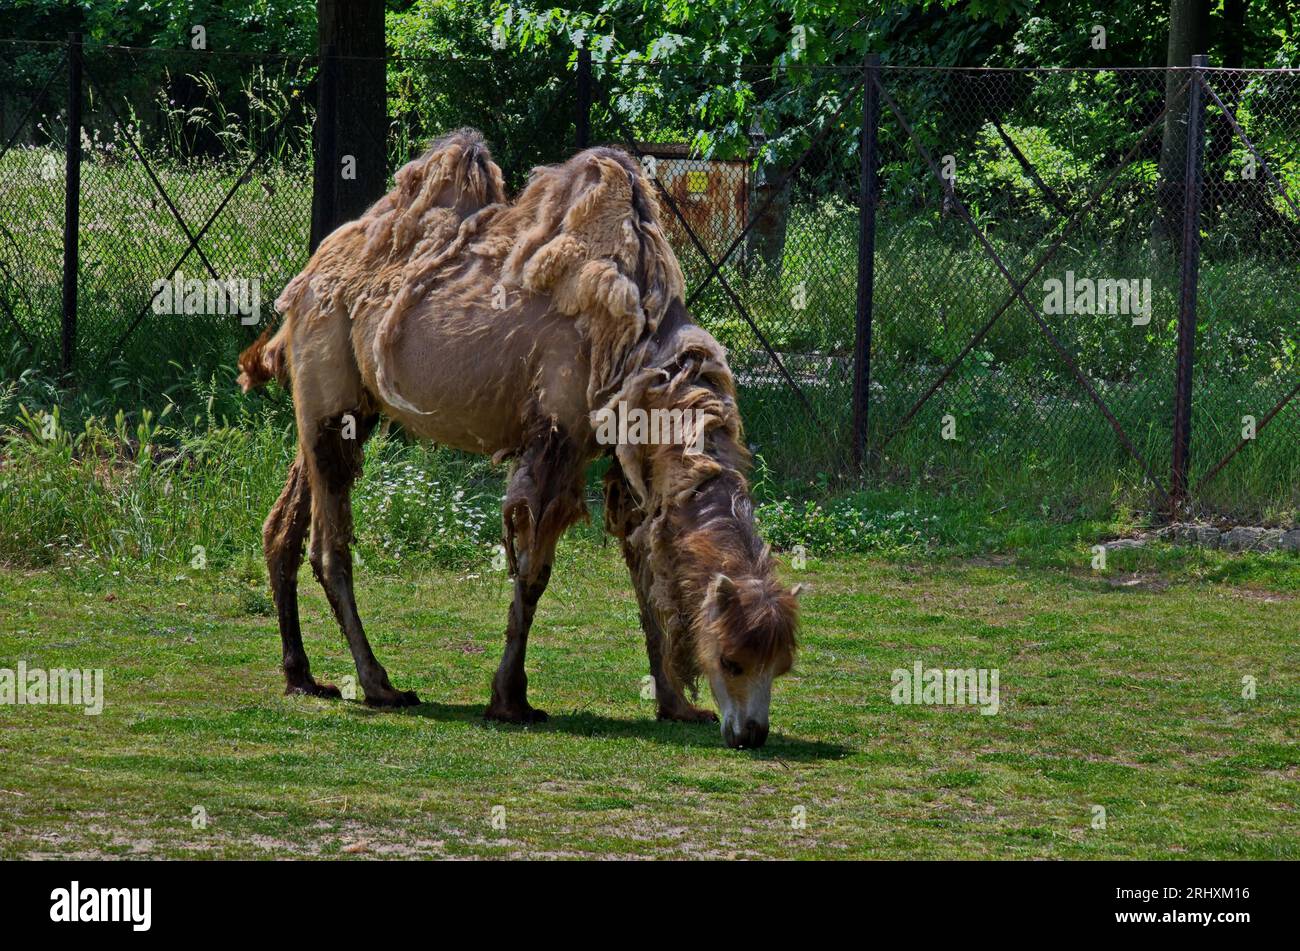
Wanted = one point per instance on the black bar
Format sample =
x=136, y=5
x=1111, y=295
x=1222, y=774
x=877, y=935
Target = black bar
x=866, y=257
x=71, y=206
x=325, y=174
x=1035, y=897
x=1187, y=290
x=583, y=121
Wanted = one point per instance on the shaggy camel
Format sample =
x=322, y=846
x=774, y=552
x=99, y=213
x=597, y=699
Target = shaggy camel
x=504, y=328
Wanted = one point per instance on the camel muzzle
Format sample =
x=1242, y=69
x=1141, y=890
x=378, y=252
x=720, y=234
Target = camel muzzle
x=750, y=736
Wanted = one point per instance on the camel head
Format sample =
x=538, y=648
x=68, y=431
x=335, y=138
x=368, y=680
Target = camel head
x=742, y=628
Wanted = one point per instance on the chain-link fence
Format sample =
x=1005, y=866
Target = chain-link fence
x=1026, y=287
x=187, y=179
x=1042, y=238
x=1074, y=278
x=1245, y=410
x=33, y=185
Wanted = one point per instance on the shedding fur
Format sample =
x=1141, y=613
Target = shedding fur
x=505, y=327
x=586, y=235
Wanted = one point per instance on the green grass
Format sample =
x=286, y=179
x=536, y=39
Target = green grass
x=1119, y=689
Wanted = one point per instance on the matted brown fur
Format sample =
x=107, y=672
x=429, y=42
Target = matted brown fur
x=503, y=328
x=697, y=521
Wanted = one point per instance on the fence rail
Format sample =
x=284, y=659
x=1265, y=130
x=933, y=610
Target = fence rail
x=1076, y=278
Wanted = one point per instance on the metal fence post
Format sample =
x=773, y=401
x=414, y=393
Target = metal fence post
x=583, y=121
x=325, y=173
x=1191, y=255
x=71, y=207
x=866, y=256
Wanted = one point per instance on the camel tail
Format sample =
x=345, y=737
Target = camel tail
x=265, y=359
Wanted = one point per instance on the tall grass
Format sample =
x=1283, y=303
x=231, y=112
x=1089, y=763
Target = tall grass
x=172, y=491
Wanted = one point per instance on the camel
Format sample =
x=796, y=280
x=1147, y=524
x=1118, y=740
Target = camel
x=502, y=328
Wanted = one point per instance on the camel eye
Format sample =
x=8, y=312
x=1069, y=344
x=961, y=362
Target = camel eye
x=730, y=667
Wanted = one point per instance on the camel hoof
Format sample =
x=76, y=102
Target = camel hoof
x=314, y=688
x=515, y=714
x=393, y=700
x=689, y=715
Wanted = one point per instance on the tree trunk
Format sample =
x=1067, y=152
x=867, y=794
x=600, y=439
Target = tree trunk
x=1188, y=29
x=770, y=208
x=1222, y=139
x=356, y=174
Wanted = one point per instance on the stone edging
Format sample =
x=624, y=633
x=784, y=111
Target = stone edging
x=1241, y=538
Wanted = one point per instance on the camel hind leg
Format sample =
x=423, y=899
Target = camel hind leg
x=282, y=540
x=543, y=499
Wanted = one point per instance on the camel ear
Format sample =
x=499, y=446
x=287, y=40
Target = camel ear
x=798, y=589
x=722, y=592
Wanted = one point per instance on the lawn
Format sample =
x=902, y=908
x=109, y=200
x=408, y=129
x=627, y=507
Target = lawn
x=1120, y=689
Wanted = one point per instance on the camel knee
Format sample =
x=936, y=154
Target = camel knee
x=336, y=451
x=533, y=584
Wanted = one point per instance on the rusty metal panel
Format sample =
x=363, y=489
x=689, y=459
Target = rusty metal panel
x=711, y=194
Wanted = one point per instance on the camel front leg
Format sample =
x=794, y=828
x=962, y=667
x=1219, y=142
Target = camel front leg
x=544, y=498
x=622, y=518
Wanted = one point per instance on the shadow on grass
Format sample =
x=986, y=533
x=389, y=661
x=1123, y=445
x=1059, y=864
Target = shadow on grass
x=580, y=723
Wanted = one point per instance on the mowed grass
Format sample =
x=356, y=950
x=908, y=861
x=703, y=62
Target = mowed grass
x=1119, y=689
